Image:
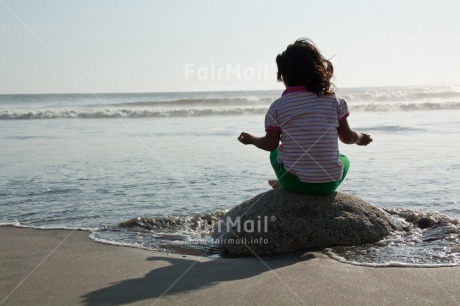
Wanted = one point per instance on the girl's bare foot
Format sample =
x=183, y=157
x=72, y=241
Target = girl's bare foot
x=274, y=183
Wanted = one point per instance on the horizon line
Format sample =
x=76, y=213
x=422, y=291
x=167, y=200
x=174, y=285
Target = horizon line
x=219, y=91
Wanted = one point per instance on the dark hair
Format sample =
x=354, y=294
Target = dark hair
x=303, y=64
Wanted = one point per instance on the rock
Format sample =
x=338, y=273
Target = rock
x=279, y=221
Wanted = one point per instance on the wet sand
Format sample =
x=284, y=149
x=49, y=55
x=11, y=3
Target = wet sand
x=63, y=267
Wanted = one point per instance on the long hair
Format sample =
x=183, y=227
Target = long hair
x=303, y=64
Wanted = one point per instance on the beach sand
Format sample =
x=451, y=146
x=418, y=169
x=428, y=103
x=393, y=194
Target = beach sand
x=63, y=267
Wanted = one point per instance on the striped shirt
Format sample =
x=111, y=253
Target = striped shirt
x=309, y=138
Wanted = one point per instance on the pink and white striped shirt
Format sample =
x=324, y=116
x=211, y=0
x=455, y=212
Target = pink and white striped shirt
x=309, y=138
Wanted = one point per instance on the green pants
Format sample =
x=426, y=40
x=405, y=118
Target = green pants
x=291, y=183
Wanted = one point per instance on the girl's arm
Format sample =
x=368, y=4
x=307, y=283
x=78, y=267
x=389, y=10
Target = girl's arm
x=348, y=136
x=269, y=142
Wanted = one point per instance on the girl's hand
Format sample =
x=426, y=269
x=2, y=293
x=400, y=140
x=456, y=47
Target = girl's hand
x=246, y=138
x=364, y=139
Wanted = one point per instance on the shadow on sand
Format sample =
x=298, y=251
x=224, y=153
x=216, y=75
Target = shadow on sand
x=187, y=274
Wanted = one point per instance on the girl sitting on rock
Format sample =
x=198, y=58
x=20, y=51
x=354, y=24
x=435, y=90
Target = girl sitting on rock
x=308, y=119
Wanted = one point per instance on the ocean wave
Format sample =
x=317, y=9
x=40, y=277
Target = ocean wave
x=189, y=234
x=392, y=128
x=420, y=94
x=154, y=112
x=428, y=239
x=392, y=95
x=403, y=106
x=389, y=263
x=201, y=102
x=198, y=224
x=123, y=113
x=16, y=223
x=401, y=94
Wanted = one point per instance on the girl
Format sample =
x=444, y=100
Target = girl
x=308, y=119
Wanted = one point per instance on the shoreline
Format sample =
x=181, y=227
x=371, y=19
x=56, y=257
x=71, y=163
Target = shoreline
x=326, y=252
x=60, y=267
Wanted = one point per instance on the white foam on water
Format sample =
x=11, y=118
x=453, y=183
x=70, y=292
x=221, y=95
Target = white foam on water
x=389, y=263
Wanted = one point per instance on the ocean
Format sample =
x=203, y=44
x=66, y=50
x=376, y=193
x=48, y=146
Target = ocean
x=149, y=169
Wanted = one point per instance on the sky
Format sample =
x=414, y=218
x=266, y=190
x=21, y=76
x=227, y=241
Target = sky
x=75, y=46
